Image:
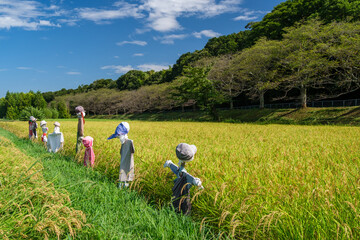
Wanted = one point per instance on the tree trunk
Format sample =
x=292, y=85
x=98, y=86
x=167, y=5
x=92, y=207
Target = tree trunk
x=262, y=101
x=182, y=108
x=194, y=108
x=303, y=96
x=231, y=100
x=214, y=113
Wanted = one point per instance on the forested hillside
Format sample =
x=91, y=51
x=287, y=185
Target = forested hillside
x=303, y=49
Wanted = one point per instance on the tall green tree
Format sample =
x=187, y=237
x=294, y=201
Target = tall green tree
x=307, y=64
x=194, y=85
x=2, y=107
x=131, y=80
x=63, y=110
x=38, y=101
x=257, y=67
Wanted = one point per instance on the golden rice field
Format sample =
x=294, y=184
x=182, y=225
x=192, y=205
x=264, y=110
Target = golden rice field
x=261, y=181
x=30, y=207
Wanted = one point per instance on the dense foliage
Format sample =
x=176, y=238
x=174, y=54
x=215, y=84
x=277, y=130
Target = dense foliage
x=23, y=105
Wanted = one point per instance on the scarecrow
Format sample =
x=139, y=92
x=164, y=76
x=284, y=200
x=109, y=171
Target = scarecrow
x=44, y=130
x=80, y=112
x=126, y=154
x=89, y=157
x=32, y=127
x=184, y=181
x=55, y=139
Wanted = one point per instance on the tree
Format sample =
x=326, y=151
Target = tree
x=344, y=52
x=38, y=101
x=2, y=107
x=11, y=100
x=226, y=79
x=312, y=60
x=63, y=110
x=131, y=80
x=257, y=67
x=195, y=85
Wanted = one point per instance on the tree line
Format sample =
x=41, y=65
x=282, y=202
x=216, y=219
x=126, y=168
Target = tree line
x=313, y=60
x=23, y=105
x=272, y=27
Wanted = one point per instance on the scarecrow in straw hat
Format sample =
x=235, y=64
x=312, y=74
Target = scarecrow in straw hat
x=184, y=181
x=126, y=154
x=55, y=139
x=44, y=130
x=32, y=127
x=80, y=112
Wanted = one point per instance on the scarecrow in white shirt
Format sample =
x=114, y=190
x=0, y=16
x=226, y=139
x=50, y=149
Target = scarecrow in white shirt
x=55, y=139
x=127, y=151
x=184, y=181
x=45, y=130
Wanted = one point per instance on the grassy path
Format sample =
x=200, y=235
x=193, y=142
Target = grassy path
x=112, y=213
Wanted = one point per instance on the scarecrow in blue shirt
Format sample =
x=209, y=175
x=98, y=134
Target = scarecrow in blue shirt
x=184, y=181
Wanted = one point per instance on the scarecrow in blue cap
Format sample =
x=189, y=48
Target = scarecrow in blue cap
x=126, y=154
x=184, y=181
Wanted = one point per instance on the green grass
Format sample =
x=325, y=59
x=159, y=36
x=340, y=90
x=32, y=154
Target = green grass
x=112, y=213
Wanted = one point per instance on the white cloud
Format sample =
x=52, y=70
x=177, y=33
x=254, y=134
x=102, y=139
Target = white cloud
x=140, y=43
x=169, y=39
x=24, y=68
x=69, y=22
x=155, y=67
x=122, y=10
x=138, y=54
x=118, y=68
x=160, y=15
x=163, y=14
x=249, y=15
x=143, y=67
x=142, y=30
x=206, y=33
x=73, y=73
x=30, y=15
x=116, y=56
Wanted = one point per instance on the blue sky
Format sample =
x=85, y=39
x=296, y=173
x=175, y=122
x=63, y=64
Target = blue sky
x=54, y=44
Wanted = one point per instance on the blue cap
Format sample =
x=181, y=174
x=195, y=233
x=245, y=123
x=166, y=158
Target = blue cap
x=120, y=130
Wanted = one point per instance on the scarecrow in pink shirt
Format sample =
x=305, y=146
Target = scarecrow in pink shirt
x=89, y=157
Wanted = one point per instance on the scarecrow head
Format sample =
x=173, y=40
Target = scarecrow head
x=121, y=132
x=185, y=153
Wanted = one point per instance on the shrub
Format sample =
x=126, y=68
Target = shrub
x=31, y=111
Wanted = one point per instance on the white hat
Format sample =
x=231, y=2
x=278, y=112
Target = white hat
x=57, y=124
x=42, y=123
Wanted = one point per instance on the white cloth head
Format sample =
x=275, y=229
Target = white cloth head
x=57, y=130
x=123, y=138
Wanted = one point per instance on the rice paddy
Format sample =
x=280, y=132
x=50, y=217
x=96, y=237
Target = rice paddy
x=261, y=181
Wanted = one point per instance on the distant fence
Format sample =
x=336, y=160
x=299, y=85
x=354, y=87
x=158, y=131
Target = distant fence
x=325, y=103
